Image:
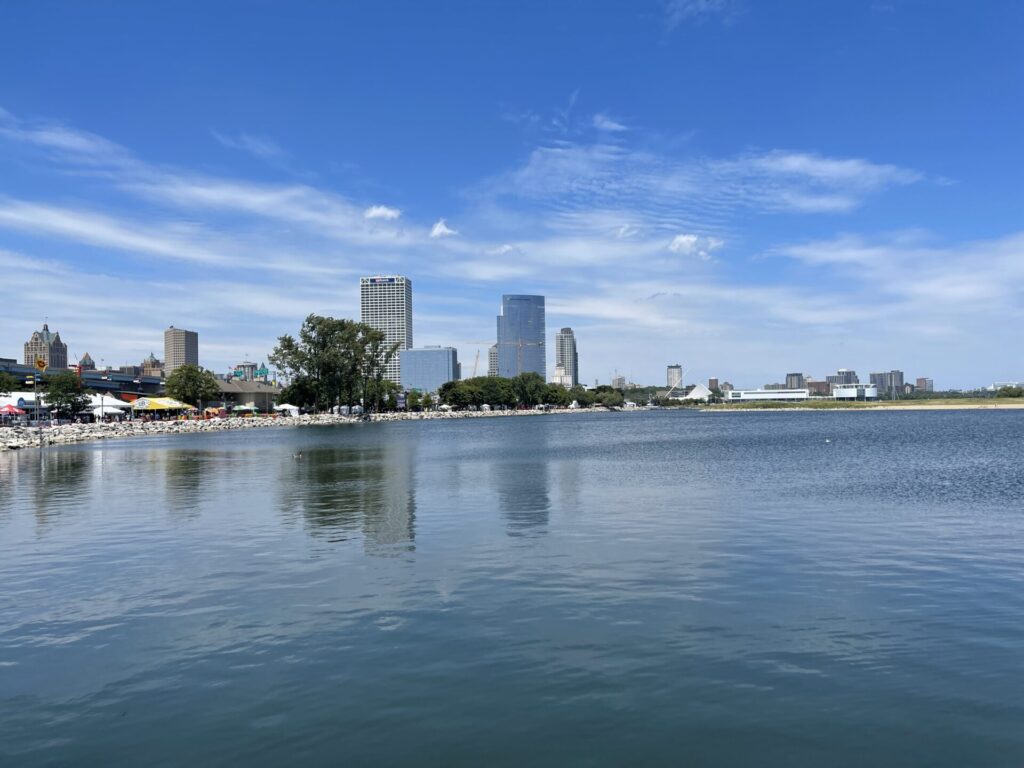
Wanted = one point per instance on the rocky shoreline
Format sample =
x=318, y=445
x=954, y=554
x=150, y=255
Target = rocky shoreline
x=17, y=438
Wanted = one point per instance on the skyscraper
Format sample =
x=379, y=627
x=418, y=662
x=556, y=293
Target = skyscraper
x=925, y=385
x=492, y=360
x=843, y=377
x=181, y=347
x=566, y=357
x=674, y=376
x=521, y=336
x=385, y=303
x=46, y=346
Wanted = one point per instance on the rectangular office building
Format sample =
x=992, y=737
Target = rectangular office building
x=181, y=347
x=427, y=368
x=385, y=303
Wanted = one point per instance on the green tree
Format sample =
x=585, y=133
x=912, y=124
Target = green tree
x=412, y=401
x=611, y=399
x=300, y=392
x=8, y=383
x=557, y=395
x=582, y=396
x=427, y=402
x=529, y=388
x=193, y=385
x=64, y=394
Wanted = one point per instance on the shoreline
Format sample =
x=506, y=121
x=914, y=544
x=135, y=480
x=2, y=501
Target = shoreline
x=21, y=438
x=875, y=408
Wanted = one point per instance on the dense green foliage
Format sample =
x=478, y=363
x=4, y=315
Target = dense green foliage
x=193, y=385
x=335, y=362
x=65, y=395
x=525, y=390
x=1011, y=392
x=8, y=383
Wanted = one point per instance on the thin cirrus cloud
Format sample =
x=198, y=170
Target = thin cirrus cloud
x=260, y=146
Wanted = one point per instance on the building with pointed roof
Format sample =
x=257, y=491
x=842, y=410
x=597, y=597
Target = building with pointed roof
x=47, y=346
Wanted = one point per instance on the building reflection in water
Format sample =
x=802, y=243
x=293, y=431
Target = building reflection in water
x=368, y=490
x=522, y=479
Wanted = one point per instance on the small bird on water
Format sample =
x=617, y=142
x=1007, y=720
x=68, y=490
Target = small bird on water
x=298, y=455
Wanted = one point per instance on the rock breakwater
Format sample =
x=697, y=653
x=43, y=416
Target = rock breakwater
x=18, y=437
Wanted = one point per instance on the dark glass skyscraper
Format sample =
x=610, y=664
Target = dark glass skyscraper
x=521, y=336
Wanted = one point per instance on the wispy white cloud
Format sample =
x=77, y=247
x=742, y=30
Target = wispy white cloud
x=682, y=11
x=603, y=122
x=261, y=146
x=441, y=229
x=381, y=212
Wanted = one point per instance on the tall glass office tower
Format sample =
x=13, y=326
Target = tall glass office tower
x=521, y=336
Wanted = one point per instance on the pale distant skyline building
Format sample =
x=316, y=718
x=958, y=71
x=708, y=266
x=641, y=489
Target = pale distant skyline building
x=795, y=381
x=843, y=377
x=674, y=376
x=567, y=358
x=492, y=360
x=713, y=383
x=618, y=382
x=925, y=385
x=521, y=334
x=181, y=347
x=385, y=303
x=889, y=383
x=46, y=345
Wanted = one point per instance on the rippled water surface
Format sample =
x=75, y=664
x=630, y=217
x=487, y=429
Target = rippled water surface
x=611, y=589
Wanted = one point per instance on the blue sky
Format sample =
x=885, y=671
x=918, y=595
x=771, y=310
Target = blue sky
x=746, y=188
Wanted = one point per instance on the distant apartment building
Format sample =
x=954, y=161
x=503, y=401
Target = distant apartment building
x=795, y=381
x=47, y=346
x=181, y=347
x=888, y=383
x=521, y=336
x=818, y=388
x=843, y=377
x=618, y=382
x=492, y=360
x=674, y=376
x=426, y=369
x=727, y=386
x=567, y=358
x=562, y=378
x=924, y=385
x=713, y=383
x=385, y=303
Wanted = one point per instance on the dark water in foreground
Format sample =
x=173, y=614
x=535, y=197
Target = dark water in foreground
x=620, y=589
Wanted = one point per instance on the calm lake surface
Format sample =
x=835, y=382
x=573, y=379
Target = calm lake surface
x=611, y=589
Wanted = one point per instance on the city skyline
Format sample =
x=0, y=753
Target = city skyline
x=632, y=190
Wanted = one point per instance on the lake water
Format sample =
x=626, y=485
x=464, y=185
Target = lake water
x=610, y=589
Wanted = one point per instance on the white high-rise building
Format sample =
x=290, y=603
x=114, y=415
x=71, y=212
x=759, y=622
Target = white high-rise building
x=181, y=347
x=385, y=303
x=566, y=359
x=492, y=360
x=674, y=376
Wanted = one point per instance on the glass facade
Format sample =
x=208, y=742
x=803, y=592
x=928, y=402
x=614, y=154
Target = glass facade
x=427, y=368
x=521, y=336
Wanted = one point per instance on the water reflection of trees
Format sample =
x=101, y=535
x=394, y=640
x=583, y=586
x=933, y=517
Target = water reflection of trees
x=56, y=482
x=183, y=478
x=343, y=492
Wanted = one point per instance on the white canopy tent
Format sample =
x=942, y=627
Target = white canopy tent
x=291, y=410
